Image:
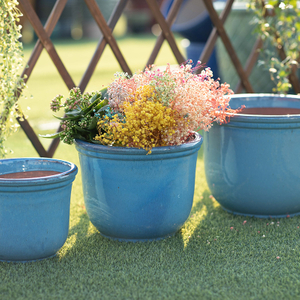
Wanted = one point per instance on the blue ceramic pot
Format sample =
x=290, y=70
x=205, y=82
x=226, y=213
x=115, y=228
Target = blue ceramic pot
x=252, y=163
x=132, y=196
x=34, y=211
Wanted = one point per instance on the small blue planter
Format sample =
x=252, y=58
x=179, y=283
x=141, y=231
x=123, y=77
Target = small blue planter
x=131, y=196
x=34, y=212
x=252, y=164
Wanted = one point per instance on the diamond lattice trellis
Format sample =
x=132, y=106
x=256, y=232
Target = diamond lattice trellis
x=107, y=38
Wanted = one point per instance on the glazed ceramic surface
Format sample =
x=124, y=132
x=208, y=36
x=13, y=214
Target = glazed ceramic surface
x=252, y=163
x=34, y=212
x=132, y=196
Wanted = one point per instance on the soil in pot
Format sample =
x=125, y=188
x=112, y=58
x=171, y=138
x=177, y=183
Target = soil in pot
x=271, y=111
x=28, y=174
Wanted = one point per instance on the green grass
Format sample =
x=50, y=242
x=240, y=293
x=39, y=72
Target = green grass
x=215, y=255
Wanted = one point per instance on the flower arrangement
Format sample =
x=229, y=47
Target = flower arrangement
x=152, y=108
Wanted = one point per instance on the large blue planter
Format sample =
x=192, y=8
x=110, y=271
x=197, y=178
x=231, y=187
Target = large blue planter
x=252, y=163
x=132, y=196
x=34, y=212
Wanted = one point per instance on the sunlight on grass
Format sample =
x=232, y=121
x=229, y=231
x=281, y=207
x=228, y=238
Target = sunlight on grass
x=203, y=204
x=194, y=221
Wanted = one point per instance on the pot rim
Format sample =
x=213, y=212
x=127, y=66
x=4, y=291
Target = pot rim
x=264, y=118
x=72, y=171
x=137, y=151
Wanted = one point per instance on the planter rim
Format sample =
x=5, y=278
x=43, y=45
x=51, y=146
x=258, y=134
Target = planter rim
x=136, y=151
x=293, y=118
x=61, y=176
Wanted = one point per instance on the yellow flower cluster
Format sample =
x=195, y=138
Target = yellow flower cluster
x=147, y=123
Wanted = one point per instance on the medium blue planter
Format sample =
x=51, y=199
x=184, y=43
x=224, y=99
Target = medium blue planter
x=252, y=163
x=34, y=212
x=131, y=196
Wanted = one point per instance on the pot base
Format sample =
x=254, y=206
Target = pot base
x=261, y=216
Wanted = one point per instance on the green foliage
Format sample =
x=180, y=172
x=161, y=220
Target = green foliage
x=278, y=24
x=11, y=64
x=82, y=112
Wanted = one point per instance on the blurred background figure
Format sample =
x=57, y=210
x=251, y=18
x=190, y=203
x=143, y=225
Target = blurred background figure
x=195, y=25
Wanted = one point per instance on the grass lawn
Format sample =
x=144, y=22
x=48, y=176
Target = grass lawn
x=215, y=255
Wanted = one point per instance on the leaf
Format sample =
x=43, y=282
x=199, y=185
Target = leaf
x=104, y=94
x=94, y=98
x=60, y=118
x=94, y=108
x=93, y=123
x=101, y=104
x=103, y=108
x=50, y=135
x=74, y=112
x=77, y=117
x=94, y=101
x=80, y=129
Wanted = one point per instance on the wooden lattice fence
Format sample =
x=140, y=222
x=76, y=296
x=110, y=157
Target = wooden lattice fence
x=44, y=42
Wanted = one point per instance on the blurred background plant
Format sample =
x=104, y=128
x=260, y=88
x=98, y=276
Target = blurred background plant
x=11, y=65
x=278, y=25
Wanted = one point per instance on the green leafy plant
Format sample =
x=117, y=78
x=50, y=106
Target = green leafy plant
x=11, y=65
x=278, y=25
x=82, y=112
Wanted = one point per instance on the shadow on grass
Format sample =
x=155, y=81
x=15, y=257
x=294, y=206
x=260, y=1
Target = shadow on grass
x=210, y=237
x=90, y=244
x=82, y=227
x=205, y=201
x=214, y=254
